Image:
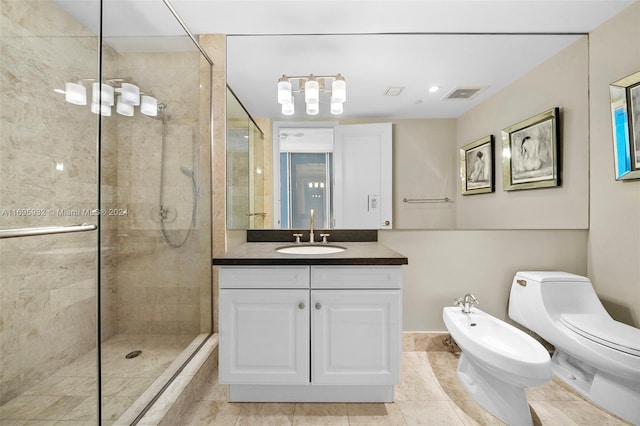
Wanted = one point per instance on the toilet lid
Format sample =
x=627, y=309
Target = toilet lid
x=605, y=330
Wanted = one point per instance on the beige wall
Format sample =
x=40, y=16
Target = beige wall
x=158, y=286
x=444, y=265
x=561, y=81
x=424, y=167
x=614, y=235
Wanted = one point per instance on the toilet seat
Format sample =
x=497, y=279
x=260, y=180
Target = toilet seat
x=605, y=331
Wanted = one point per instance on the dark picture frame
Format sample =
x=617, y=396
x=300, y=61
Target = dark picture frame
x=531, y=153
x=477, y=174
x=625, y=123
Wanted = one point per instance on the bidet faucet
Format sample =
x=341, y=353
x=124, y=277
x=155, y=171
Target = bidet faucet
x=466, y=302
x=311, y=219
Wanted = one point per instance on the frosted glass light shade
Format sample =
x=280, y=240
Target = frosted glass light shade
x=313, y=108
x=336, y=107
x=339, y=90
x=284, y=92
x=289, y=107
x=124, y=108
x=75, y=93
x=104, y=110
x=311, y=92
x=130, y=94
x=102, y=92
x=149, y=105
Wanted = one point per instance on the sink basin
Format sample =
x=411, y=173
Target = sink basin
x=310, y=249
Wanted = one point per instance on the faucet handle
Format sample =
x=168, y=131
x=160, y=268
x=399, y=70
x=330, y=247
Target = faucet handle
x=298, y=236
x=324, y=238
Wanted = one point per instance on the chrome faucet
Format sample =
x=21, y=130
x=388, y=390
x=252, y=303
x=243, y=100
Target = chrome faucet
x=466, y=302
x=311, y=220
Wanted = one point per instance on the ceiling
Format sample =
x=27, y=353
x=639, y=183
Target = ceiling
x=374, y=44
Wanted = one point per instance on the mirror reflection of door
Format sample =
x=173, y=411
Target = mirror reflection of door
x=342, y=172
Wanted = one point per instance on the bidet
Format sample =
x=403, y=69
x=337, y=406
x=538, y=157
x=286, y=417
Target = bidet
x=497, y=363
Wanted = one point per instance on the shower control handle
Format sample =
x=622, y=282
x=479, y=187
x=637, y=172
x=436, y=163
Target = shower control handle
x=301, y=305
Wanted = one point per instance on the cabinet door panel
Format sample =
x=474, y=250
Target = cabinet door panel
x=356, y=336
x=264, y=336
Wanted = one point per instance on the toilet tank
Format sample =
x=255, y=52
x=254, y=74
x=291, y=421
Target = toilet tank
x=544, y=295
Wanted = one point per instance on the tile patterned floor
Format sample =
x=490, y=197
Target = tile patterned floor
x=67, y=398
x=429, y=394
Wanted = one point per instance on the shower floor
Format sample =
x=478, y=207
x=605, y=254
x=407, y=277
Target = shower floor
x=68, y=396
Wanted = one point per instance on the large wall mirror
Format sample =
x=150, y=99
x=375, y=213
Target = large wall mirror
x=419, y=83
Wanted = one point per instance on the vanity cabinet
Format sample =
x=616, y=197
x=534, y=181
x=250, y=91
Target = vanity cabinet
x=310, y=333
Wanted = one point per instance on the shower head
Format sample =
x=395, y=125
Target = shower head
x=187, y=171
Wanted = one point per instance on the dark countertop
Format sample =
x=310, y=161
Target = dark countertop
x=356, y=253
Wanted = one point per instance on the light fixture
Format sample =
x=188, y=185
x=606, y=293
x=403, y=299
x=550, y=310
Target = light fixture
x=130, y=94
x=103, y=96
x=314, y=88
x=148, y=105
x=339, y=89
x=434, y=89
x=75, y=93
x=102, y=93
x=311, y=91
x=289, y=108
x=284, y=91
x=124, y=108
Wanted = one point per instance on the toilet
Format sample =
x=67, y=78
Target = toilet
x=498, y=362
x=594, y=354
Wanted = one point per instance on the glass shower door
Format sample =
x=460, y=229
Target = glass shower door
x=48, y=198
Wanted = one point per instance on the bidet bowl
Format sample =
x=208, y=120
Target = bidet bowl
x=503, y=350
x=310, y=249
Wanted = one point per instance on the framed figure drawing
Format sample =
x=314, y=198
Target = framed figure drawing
x=530, y=152
x=476, y=167
x=625, y=123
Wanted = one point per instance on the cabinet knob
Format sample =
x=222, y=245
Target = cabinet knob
x=301, y=305
x=318, y=305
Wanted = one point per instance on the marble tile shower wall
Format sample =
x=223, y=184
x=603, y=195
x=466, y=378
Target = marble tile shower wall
x=158, y=287
x=47, y=164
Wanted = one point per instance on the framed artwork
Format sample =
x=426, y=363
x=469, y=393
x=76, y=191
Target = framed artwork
x=476, y=167
x=530, y=152
x=625, y=123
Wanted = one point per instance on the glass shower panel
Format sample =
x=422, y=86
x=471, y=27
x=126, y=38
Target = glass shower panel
x=48, y=197
x=257, y=209
x=238, y=167
x=155, y=210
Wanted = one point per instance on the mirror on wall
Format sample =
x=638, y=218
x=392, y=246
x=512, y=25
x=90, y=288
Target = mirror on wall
x=419, y=83
x=246, y=206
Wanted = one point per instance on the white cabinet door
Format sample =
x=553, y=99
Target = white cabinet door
x=356, y=336
x=264, y=336
x=362, y=167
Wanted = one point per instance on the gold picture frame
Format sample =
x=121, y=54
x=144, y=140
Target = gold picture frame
x=477, y=174
x=531, y=153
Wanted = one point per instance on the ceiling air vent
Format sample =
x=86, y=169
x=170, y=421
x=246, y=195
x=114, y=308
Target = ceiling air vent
x=394, y=90
x=463, y=93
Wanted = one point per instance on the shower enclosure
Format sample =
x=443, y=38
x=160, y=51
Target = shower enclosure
x=105, y=229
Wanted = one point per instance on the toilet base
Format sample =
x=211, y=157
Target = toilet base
x=612, y=393
x=504, y=400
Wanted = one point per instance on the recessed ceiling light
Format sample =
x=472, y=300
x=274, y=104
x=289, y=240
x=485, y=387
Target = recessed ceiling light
x=434, y=89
